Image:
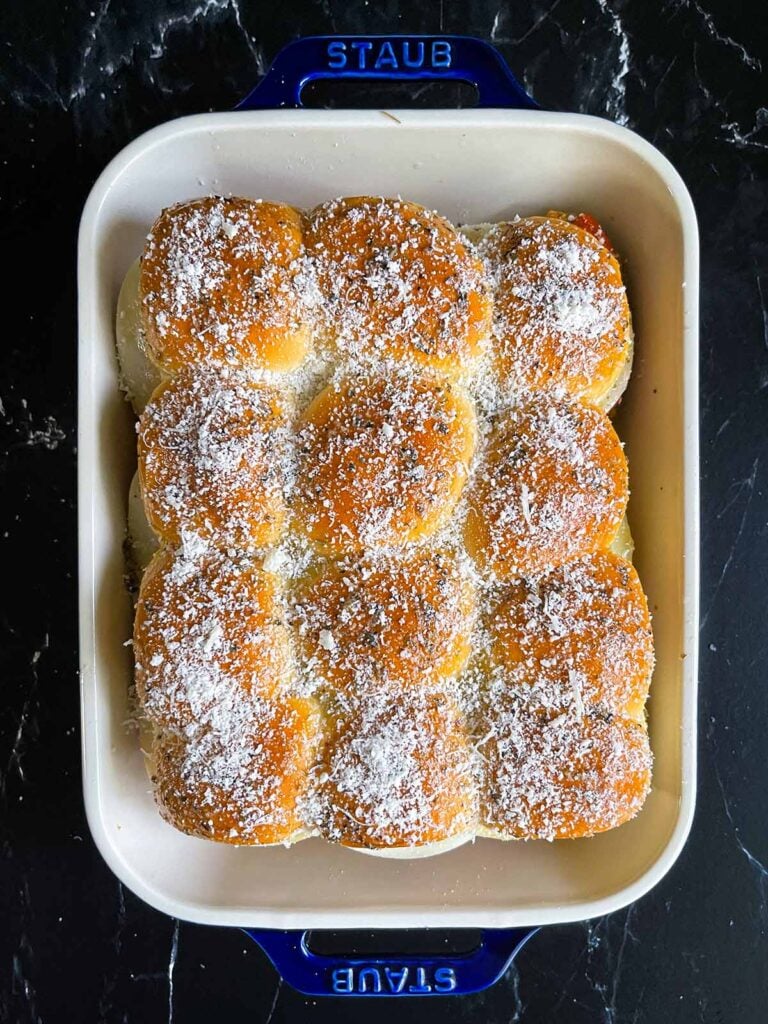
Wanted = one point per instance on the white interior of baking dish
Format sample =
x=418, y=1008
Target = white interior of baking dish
x=472, y=166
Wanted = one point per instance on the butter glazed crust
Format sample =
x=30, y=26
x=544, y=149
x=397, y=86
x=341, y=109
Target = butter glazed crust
x=384, y=609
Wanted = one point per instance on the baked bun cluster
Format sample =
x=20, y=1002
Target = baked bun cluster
x=379, y=526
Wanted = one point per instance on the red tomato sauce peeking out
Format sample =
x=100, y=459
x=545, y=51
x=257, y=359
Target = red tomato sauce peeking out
x=586, y=222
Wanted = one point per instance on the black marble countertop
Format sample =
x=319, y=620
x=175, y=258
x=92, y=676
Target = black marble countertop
x=79, y=80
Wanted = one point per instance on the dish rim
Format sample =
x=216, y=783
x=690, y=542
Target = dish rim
x=468, y=916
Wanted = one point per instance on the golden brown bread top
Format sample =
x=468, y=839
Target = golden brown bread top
x=212, y=452
x=223, y=282
x=245, y=793
x=552, y=486
x=559, y=775
x=396, y=621
x=561, y=317
x=577, y=636
x=398, y=282
x=395, y=774
x=209, y=637
x=381, y=461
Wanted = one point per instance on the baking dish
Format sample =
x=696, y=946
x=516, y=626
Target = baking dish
x=475, y=165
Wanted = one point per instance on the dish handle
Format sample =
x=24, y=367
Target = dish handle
x=317, y=974
x=391, y=58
